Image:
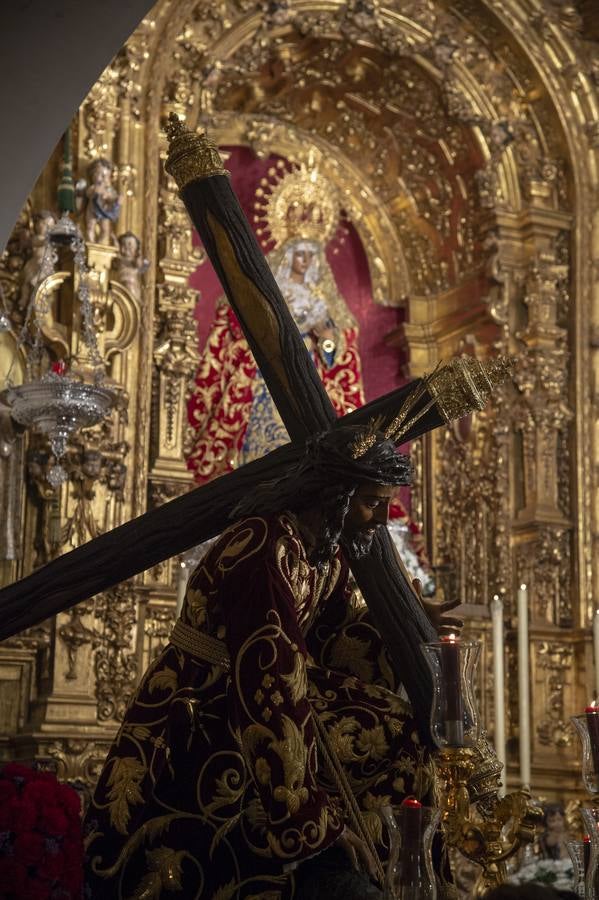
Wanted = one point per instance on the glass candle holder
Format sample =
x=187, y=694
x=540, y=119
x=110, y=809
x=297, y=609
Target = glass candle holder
x=590, y=817
x=587, y=726
x=454, y=715
x=580, y=854
x=410, y=874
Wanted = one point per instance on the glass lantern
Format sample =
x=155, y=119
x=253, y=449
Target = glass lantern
x=590, y=817
x=454, y=714
x=580, y=854
x=410, y=874
x=587, y=726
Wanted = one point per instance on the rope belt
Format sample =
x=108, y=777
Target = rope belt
x=201, y=646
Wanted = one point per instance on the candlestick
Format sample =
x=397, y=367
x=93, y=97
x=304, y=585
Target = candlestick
x=596, y=650
x=499, y=678
x=523, y=686
x=182, y=577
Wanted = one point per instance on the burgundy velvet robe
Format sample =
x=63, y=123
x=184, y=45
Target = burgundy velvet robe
x=216, y=781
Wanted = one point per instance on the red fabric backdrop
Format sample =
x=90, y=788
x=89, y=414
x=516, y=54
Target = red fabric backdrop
x=381, y=364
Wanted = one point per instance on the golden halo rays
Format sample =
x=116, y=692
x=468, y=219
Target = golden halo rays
x=294, y=200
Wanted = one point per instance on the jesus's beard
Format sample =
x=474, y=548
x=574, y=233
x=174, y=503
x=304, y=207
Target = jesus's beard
x=359, y=544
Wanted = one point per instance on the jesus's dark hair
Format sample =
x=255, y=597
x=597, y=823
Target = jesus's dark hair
x=327, y=477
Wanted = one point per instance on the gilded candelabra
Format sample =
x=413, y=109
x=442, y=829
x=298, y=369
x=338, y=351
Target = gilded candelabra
x=485, y=828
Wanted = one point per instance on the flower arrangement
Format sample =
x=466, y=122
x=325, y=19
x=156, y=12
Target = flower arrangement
x=556, y=873
x=41, y=848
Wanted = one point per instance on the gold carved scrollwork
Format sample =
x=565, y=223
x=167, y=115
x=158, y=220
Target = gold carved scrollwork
x=554, y=660
x=116, y=664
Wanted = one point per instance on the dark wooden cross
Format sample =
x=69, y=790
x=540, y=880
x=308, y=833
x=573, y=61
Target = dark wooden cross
x=305, y=408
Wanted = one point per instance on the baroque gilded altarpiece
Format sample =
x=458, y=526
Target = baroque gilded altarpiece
x=464, y=139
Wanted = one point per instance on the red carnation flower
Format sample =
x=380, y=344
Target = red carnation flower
x=70, y=800
x=36, y=889
x=23, y=814
x=5, y=817
x=29, y=848
x=72, y=880
x=52, y=820
x=41, y=792
x=16, y=770
x=8, y=790
x=73, y=854
x=13, y=876
x=53, y=865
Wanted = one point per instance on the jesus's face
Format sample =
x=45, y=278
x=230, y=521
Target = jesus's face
x=368, y=510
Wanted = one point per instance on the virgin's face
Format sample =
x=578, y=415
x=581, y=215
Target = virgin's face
x=300, y=261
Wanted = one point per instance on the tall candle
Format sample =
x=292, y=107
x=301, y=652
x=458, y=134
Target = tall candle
x=452, y=690
x=499, y=679
x=409, y=858
x=182, y=576
x=596, y=650
x=523, y=686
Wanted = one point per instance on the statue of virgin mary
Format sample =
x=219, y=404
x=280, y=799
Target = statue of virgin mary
x=231, y=409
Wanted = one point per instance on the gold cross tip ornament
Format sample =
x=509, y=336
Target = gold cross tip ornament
x=191, y=155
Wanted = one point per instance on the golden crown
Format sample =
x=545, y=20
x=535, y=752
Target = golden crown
x=190, y=155
x=456, y=388
x=295, y=200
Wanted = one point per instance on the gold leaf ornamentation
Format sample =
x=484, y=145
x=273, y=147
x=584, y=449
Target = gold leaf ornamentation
x=372, y=742
x=351, y=654
x=197, y=607
x=163, y=680
x=124, y=790
x=293, y=753
x=262, y=770
x=297, y=679
x=225, y=892
x=341, y=736
x=164, y=874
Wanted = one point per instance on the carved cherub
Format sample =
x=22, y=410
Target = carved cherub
x=130, y=265
x=103, y=202
x=43, y=221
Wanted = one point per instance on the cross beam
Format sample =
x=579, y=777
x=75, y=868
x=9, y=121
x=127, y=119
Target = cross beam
x=295, y=386
x=292, y=379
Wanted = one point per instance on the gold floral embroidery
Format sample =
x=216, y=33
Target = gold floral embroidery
x=277, y=698
x=372, y=742
x=262, y=770
x=163, y=680
x=226, y=892
x=164, y=874
x=341, y=737
x=371, y=815
x=124, y=791
x=297, y=679
x=350, y=654
x=197, y=607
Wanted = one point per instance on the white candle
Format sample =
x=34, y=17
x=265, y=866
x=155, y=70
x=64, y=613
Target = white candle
x=183, y=575
x=499, y=679
x=523, y=686
x=596, y=649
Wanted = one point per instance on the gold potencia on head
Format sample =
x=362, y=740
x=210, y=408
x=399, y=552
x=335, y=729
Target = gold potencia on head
x=191, y=156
